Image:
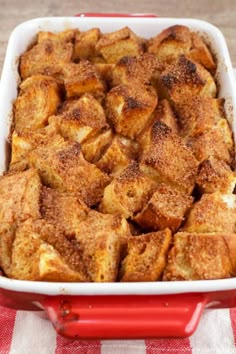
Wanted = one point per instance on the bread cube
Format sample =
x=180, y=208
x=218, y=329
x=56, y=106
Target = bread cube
x=199, y=115
x=177, y=40
x=216, y=142
x=136, y=69
x=38, y=99
x=47, y=58
x=7, y=236
x=128, y=192
x=19, y=196
x=201, y=256
x=54, y=209
x=35, y=258
x=129, y=108
x=212, y=213
x=215, y=175
x=118, y=155
x=113, y=46
x=82, y=78
x=64, y=36
x=62, y=166
x=147, y=257
x=79, y=119
x=165, y=114
x=85, y=43
x=167, y=159
x=185, y=79
x=170, y=43
x=201, y=54
x=94, y=147
x=165, y=209
x=101, y=238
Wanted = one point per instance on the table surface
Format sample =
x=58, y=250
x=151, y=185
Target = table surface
x=220, y=13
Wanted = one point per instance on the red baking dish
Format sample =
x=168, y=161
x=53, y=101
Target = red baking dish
x=115, y=310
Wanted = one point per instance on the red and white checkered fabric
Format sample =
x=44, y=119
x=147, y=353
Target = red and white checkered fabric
x=28, y=333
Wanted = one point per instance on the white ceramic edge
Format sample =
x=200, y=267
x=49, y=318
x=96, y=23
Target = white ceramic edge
x=9, y=80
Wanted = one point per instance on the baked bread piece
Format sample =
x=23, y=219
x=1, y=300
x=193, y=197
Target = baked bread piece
x=177, y=40
x=205, y=256
x=212, y=213
x=115, y=45
x=147, y=257
x=39, y=252
x=64, y=36
x=38, y=99
x=118, y=155
x=85, y=43
x=62, y=210
x=93, y=148
x=47, y=58
x=20, y=196
x=215, y=175
x=102, y=239
x=79, y=119
x=61, y=165
x=165, y=209
x=131, y=70
x=200, y=114
x=185, y=79
x=216, y=142
x=82, y=78
x=129, y=108
x=165, y=114
x=167, y=159
x=128, y=192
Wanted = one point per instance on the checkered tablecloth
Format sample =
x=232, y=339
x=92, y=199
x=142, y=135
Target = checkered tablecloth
x=28, y=333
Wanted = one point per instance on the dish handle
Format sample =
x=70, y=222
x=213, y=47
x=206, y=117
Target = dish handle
x=125, y=316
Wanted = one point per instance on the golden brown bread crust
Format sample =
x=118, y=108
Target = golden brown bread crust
x=64, y=36
x=129, y=108
x=40, y=252
x=165, y=209
x=47, y=58
x=61, y=165
x=199, y=115
x=113, y=46
x=213, y=143
x=38, y=99
x=185, y=79
x=134, y=70
x=128, y=192
x=212, y=213
x=19, y=196
x=147, y=256
x=201, y=256
x=82, y=78
x=165, y=114
x=177, y=40
x=102, y=249
x=85, y=43
x=118, y=155
x=79, y=119
x=94, y=148
x=167, y=159
x=62, y=210
x=215, y=175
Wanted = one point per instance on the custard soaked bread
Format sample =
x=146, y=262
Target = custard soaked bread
x=121, y=162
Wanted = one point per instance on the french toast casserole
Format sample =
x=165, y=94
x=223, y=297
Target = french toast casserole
x=122, y=161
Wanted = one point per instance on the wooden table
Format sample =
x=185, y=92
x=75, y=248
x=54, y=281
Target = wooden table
x=221, y=13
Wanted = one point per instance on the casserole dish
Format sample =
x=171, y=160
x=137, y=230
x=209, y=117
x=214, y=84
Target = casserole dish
x=115, y=310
